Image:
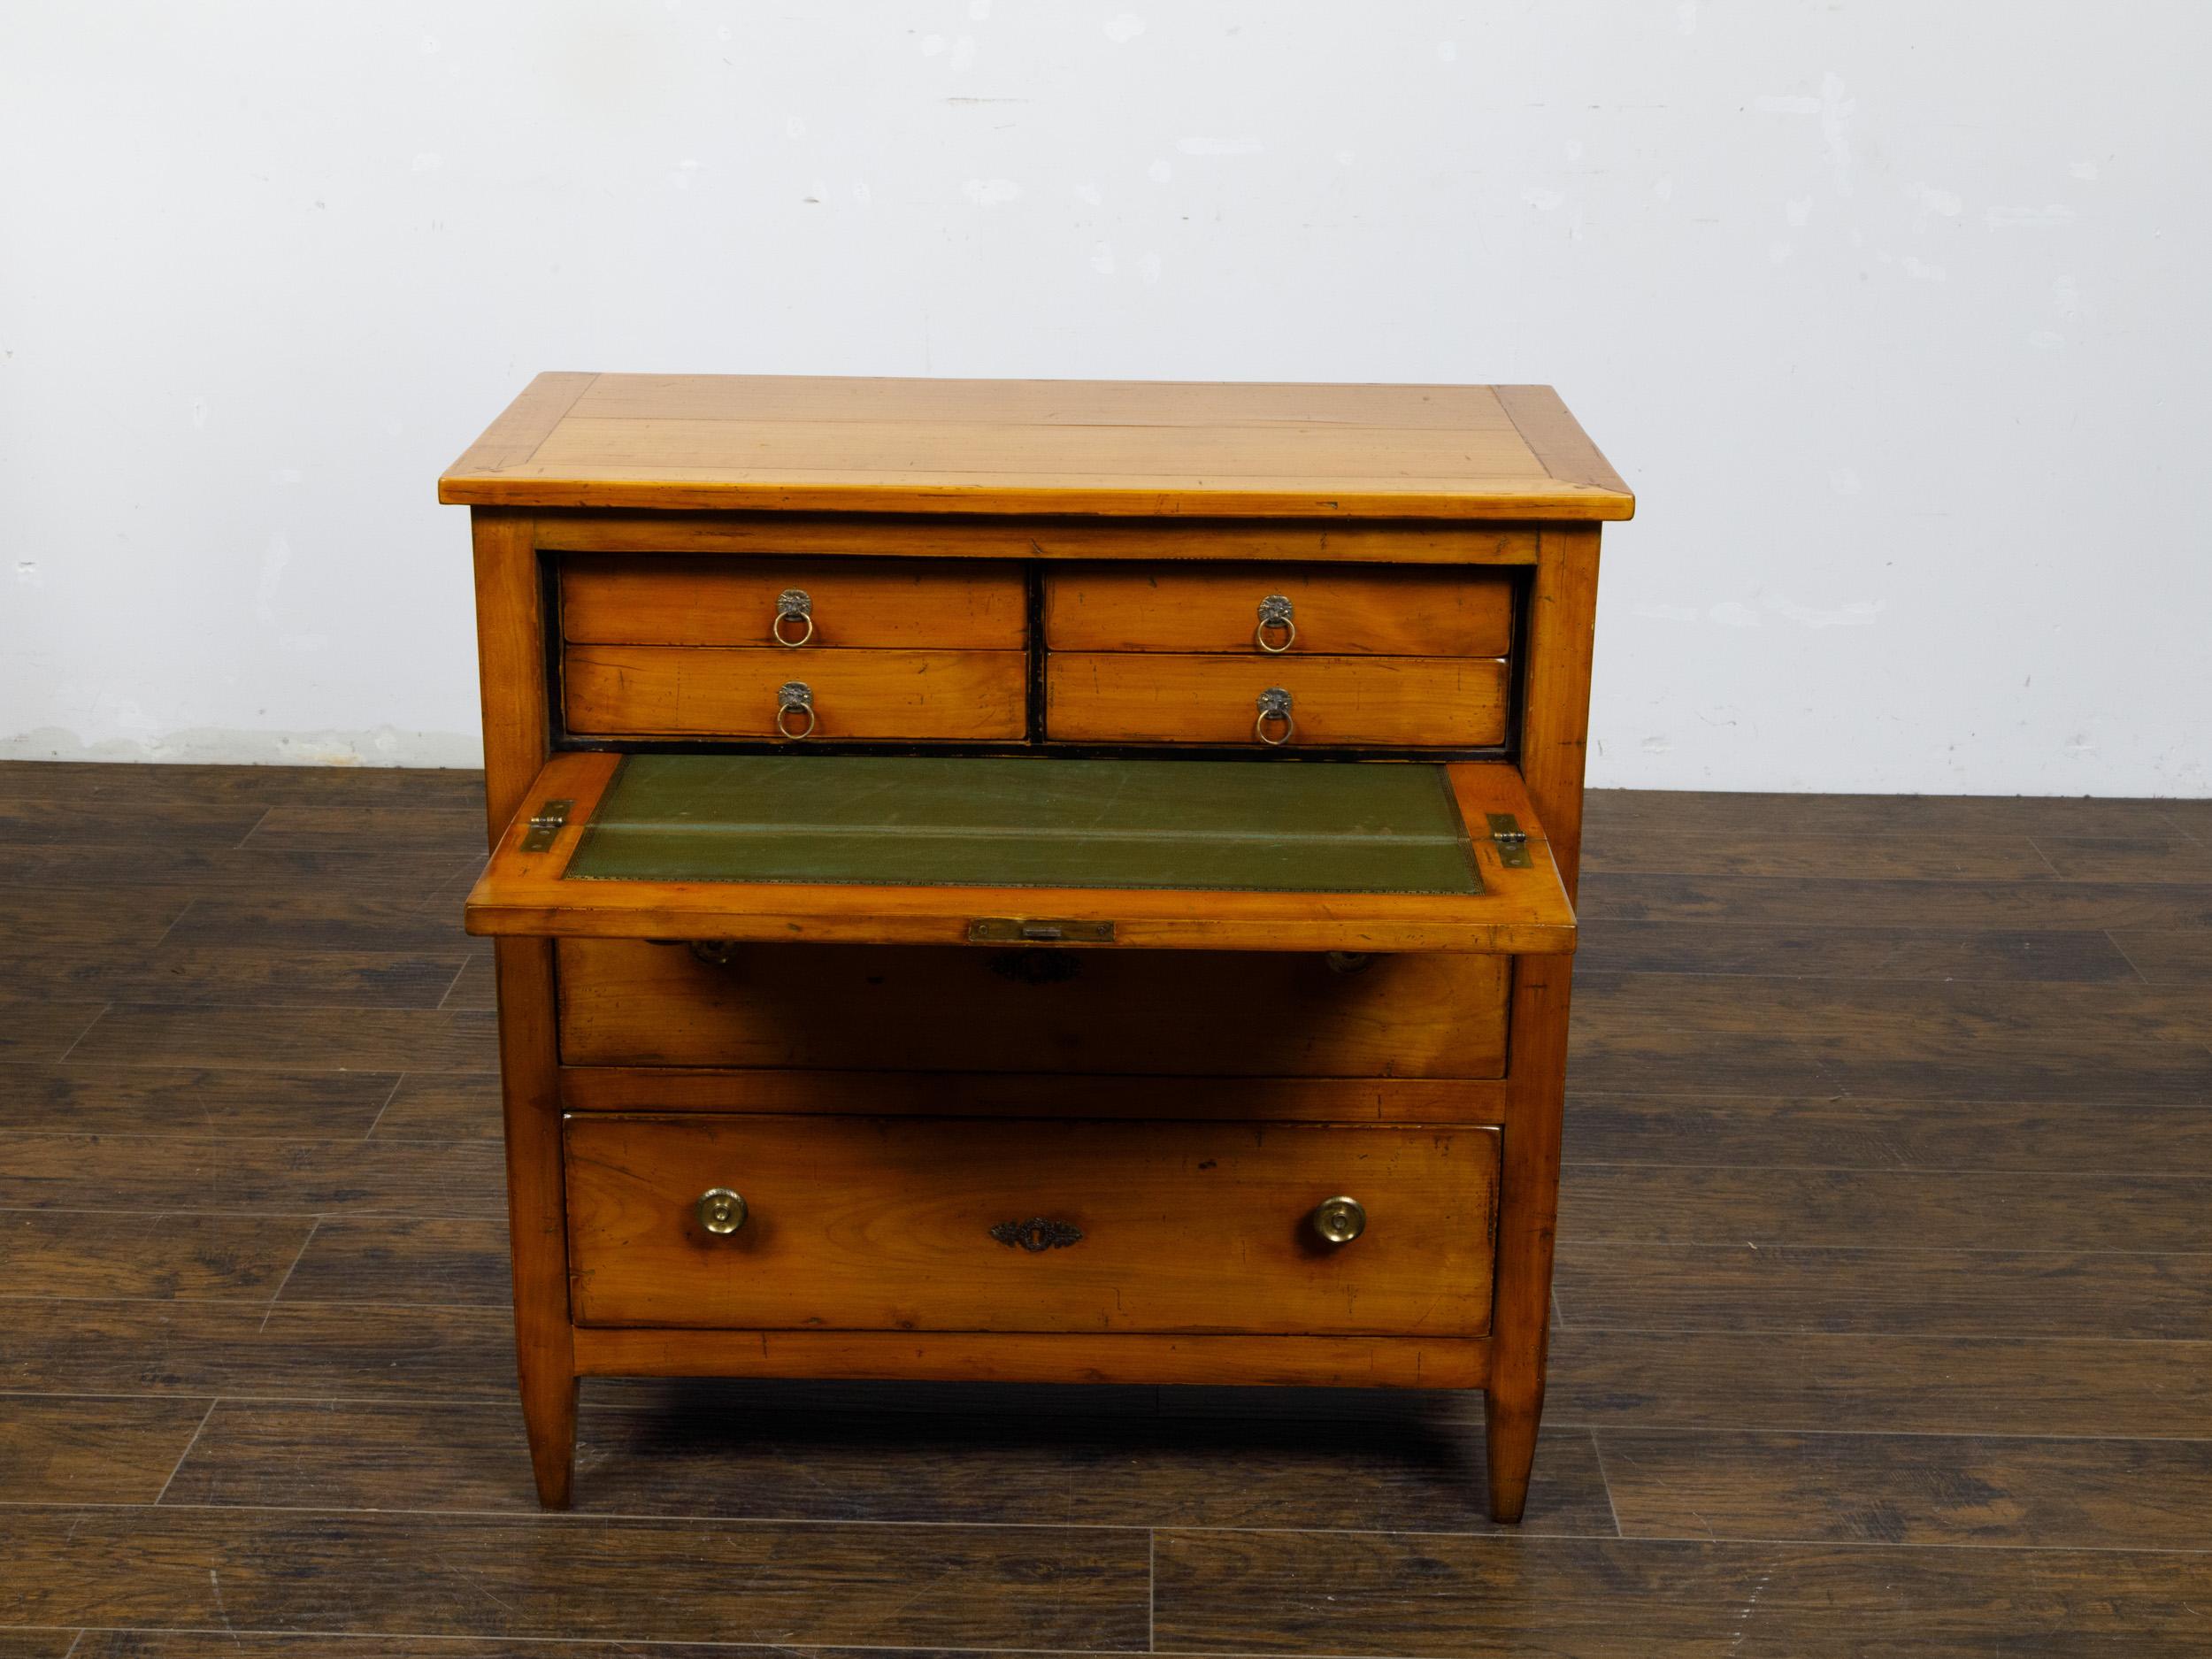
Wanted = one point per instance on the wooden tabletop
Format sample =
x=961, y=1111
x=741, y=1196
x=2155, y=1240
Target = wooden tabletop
x=1093, y=447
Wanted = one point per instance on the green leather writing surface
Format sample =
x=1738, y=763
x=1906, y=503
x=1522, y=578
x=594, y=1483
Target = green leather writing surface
x=958, y=821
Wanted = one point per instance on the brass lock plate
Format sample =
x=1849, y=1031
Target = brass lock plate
x=1016, y=930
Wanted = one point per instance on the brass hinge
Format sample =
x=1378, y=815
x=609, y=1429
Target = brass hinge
x=1511, y=838
x=546, y=823
x=1015, y=929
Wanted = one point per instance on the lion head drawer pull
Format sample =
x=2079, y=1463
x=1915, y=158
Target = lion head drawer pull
x=793, y=603
x=1275, y=613
x=1274, y=711
x=795, y=697
x=1340, y=1220
x=721, y=1210
x=1037, y=1234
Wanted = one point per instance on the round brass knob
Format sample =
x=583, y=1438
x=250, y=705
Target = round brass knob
x=721, y=1210
x=1340, y=1220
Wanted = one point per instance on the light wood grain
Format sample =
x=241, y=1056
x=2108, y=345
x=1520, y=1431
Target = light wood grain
x=1029, y=1093
x=885, y=1224
x=951, y=536
x=948, y=605
x=633, y=690
x=1518, y=911
x=1562, y=614
x=1071, y=1357
x=536, y=1219
x=1555, y=722
x=815, y=399
x=1513, y=1400
x=1391, y=701
x=512, y=438
x=1408, y=612
x=1158, y=450
x=957, y=449
x=1104, y=1012
x=1553, y=436
x=511, y=660
x=1142, y=524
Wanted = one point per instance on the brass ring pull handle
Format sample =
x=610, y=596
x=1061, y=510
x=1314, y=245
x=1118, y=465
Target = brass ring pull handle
x=721, y=1210
x=1340, y=1220
x=1274, y=708
x=792, y=601
x=795, y=697
x=1275, y=613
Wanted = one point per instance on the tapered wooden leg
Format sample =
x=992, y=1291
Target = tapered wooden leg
x=536, y=1211
x=1510, y=1445
x=548, y=1417
x=1528, y=1209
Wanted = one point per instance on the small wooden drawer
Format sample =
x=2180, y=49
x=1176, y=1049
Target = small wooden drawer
x=1286, y=610
x=1391, y=701
x=891, y=604
x=869, y=1008
x=707, y=691
x=1012, y=1225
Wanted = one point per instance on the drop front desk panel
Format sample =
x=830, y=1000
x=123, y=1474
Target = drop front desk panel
x=1035, y=881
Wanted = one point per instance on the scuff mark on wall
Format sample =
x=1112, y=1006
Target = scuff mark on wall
x=2045, y=218
x=1836, y=109
x=377, y=746
x=2002, y=384
x=273, y=563
x=1857, y=614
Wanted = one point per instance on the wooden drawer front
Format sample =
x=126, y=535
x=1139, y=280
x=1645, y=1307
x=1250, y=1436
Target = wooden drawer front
x=868, y=1007
x=962, y=1224
x=1217, y=608
x=954, y=604
x=1393, y=702
x=705, y=691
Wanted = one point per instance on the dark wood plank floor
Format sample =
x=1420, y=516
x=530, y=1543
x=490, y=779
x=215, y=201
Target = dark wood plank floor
x=1884, y=1296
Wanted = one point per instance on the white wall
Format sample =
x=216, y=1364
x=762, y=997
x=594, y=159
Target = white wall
x=1893, y=313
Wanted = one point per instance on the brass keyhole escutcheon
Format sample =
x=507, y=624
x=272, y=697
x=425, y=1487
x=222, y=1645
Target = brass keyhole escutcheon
x=1037, y=1235
x=721, y=1210
x=1340, y=1220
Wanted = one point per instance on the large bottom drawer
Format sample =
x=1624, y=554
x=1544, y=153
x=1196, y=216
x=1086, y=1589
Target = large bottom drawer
x=963, y=1224
x=1123, y=1012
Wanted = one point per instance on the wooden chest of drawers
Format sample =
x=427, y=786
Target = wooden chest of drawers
x=1034, y=881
